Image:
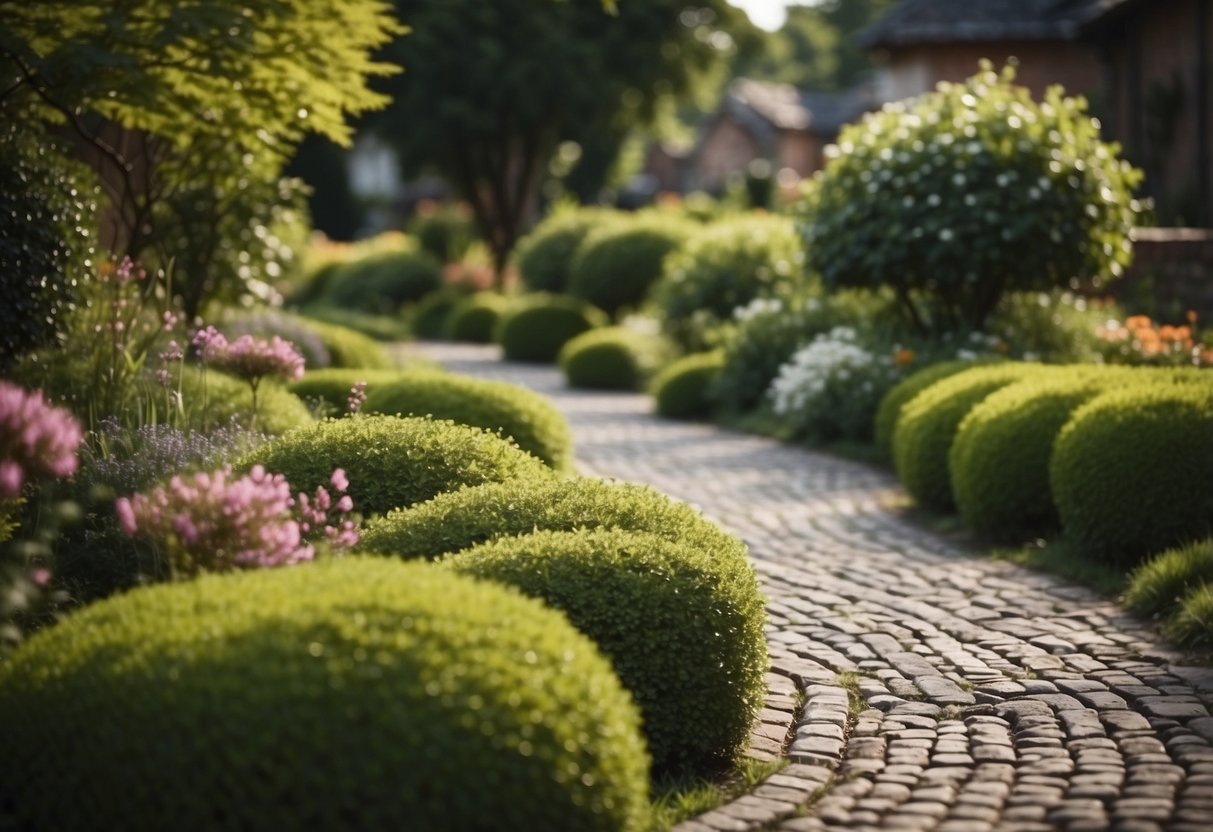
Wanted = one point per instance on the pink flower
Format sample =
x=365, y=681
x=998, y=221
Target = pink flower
x=339, y=480
x=357, y=397
x=249, y=358
x=36, y=439
x=40, y=575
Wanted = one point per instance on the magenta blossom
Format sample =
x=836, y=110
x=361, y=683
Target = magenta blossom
x=36, y=439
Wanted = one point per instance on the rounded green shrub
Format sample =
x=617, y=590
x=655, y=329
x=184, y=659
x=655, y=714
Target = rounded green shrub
x=357, y=693
x=999, y=461
x=393, y=462
x=385, y=281
x=332, y=386
x=350, y=348
x=612, y=358
x=429, y=316
x=536, y=327
x=618, y=262
x=967, y=192
x=545, y=255
x=517, y=413
x=1159, y=585
x=214, y=399
x=446, y=233
x=631, y=592
x=725, y=266
x=461, y=519
x=889, y=411
x=683, y=390
x=929, y=422
x=474, y=318
x=1130, y=471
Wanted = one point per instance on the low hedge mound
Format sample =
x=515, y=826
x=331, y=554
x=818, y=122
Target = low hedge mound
x=1130, y=472
x=428, y=317
x=545, y=255
x=393, y=462
x=462, y=519
x=928, y=424
x=332, y=386
x=217, y=399
x=682, y=628
x=385, y=281
x=617, y=262
x=359, y=693
x=522, y=415
x=538, y=326
x=888, y=413
x=683, y=390
x=474, y=318
x=611, y=358
x=349, y=348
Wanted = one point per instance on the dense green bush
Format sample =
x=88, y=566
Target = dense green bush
x=332, y=386
x=612, y=358
x=383, y=282
x=356, y=693
x=1130, y=470
x=1056, y=327
x=427, y=318
x=682, y=628
x=928, y=424
x=348, y=347
x=889, y=411
x=968, y=192
x=214, y=399
x=1158, y=586
x=545, y=255
x=683, y=390
x=391, y=327
x=999, y=462
x=462, y=519
x=393, y=462
x=617, y=262
x=446, y=232
x=722, y=267
x=517, y=413
x=474, y=318
x=537, y=326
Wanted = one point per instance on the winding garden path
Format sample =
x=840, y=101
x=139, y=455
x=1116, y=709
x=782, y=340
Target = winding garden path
x=937, y=689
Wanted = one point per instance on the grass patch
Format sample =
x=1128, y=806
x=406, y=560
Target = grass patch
x=677, y=800
x=1058, y=557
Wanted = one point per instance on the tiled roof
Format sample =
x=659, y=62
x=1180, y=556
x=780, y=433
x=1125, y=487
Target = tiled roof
x=946, y=21
x=765, y=107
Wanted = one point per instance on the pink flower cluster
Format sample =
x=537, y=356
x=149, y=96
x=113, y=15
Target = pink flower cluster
x=35, y=439
x=247, y=357
x=357, y=397
x=213, y=522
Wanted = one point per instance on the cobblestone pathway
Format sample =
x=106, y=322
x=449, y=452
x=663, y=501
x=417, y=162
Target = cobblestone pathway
x=940, y=690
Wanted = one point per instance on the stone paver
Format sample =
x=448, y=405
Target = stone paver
x=997, y=699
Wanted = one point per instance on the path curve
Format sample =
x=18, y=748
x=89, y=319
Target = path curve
x=993, y=698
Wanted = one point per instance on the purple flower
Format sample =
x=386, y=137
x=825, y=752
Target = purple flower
x=36, y=439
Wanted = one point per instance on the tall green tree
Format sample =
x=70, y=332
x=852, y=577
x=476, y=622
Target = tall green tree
x=491, y=89
x=185, y=109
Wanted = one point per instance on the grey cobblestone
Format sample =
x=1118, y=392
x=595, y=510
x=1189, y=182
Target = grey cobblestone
x=999, y=699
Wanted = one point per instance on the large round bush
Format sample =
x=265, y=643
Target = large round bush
x=888, y=413
x=360, y=693
x=393, y=462
x=474, y=318
x=332, y=386
x=683, y=390
x=1130, y=471
x=383, y=282
x=617, y=262
x=537, y=327
x=462, y=519
x=967, y=192
x=682, y=628
x=612, y=358
x=999, y=461
x=929, y=422
x=545, y=255
x=350, y=348
x=725, y=266
x=517, y=413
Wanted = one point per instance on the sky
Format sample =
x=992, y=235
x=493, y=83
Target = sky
x=766, y=14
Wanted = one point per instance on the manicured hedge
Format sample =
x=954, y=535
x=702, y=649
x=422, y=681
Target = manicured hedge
x=539, y=325
x=889, y=411
x=517, y=413
x=545, y=255
x=682, y=627
x=683, y=390
x=359, y=693
x=1130, y=471
x=383, y=282
x=333, y=386
x=612, y=358
x=475, y=317
x=350, y=348
x=617, y=262
x=393, y=462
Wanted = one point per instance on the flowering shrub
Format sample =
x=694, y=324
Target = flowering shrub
x=964, y=193
x=249, y=358
x=1139, y=340
x=210, y=522
x=36, y=439
x=830, y=389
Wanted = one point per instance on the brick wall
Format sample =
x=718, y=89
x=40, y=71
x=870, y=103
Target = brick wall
x=1172, y=272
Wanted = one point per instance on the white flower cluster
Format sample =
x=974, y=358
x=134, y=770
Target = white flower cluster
x=834, y=355
x=756, y=307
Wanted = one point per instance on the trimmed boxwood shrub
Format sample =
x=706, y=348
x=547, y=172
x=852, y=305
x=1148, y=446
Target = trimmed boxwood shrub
x=333, y=386
x=393, y=462
x=1158, y=586
x=522, y=415
x=889, y=411
x=214, y=399
x=612, y=358
x=682, y=628
x=544, y=256
x=1130, y=471
x=385, y=281
x=356, y=693
x=928, y=425
x=999, y=462
x=683, y=390
x=428, y=317
x=537, y=326
x=350, y=348
x=462, y=519
x=474, y=318
x=725, y=266
x=617, y=262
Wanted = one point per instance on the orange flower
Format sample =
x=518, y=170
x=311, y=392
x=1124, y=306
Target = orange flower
x=1138, y=322
x=903, y=357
